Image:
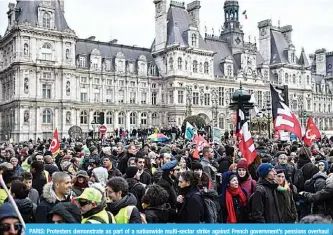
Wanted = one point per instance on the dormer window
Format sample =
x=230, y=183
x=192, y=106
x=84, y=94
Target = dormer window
x=194, y=40
x=195, y=66
x=180, y=63
x=26, y=49
x=206, y=68
x=82, y=62
x=46, y=20
x=292, y=57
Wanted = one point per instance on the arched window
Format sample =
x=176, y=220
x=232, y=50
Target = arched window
x=229, y=71
x=180, y=63
x=171, y=63
x=206, y=68
x=194, y=40
x=286, y=78
x=294, y=79
x=144, y=119
x=96, y=117
x=121, y=118
x=154, y=119
x=109, y=117
x=133, y=119
x=84, y=117
x=67, y=54
x=46, y=20
x=26, y=49
x=221, y=122
x=47, y=51
x=47, y=116
x=195, y=66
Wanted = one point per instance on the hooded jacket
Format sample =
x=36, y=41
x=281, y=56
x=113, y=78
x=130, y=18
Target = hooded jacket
x=157, y=214
x=26, y=207
x=129, y=200
x=48, y=201
x=68, y=211
x=101, y=175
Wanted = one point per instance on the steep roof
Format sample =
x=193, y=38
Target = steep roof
x=28, y=12
x=179, y=22
x=279, y=45
x=303, y=60
x=84, y=47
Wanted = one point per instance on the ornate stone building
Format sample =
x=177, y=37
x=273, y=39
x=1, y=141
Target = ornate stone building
x=51, y=79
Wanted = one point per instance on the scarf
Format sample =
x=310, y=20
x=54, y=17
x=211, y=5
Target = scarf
x=229, y=194
x=284, y=187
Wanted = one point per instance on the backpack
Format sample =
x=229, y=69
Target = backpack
x=212, y=206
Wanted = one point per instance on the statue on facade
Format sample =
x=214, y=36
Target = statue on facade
x=26, y=85
x=26, y=116
x=68, y=87
x=68, y=118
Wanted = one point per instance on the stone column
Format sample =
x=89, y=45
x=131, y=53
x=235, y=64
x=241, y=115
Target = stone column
x=38, y=121
x=149, y=121
x=115, y=120
x=56, y=119
x=127, y=121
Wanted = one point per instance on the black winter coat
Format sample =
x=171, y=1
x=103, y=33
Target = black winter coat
x=26, y=207
x=167, y=183
x=68, y=211
x=192, y=209
x=122, y=164
x=128, y=200
x=323, y=196
x=264, y=205
x=157, y=214
x=137, y=189
x=145, y=178
x=48, y=201
x=224, y=164
x=288, y=206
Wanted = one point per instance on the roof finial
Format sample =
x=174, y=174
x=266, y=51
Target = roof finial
x=279, y=23
x=249, y=38
x=255, y=40
x=302, y=49
x=213, y=30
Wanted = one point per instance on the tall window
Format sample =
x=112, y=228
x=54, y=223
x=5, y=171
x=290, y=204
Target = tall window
x=171, y=101
x=153, y=98
x=84, y=97
x=180, y=63
x=231, y=91
x=108, y=65
x=96, y=117
x=308, y=80
x=180, y=97
x=133, y=118
x=207, y=99
x=294, y=79
x=194, y=40
x=171, y=63
x=143, y=98
x=121, y=118
x=97, y=97
x=221, y=122
x=259, y=99
x=132, y=97
x=84, y=117
x=46, y=20
x=195, y=66
x=286, y=78
x=154, y=117
x=26, y=49
x=195, y=98
x=46, y=90
x=144, y=119
x=47, y=51
x=82, y=62
x=308, y=104
x=229, y=71
x=206, y=68
x=47, y=116
x=221, y=96
x=109, y=117
x=121, y=96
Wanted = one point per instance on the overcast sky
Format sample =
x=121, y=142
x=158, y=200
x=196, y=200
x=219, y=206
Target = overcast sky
x=132, y=21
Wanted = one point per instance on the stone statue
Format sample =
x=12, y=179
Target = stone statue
x=68, y=118
x=26, y=116
x=68, y=87
x=26, y=85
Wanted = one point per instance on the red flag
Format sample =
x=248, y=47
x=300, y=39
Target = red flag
x=201, y=143
x=312, y=133
x=245, y=144
x=55, y=145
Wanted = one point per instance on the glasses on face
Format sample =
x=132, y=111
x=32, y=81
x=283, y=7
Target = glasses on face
x=6, y=227
x=84, y=203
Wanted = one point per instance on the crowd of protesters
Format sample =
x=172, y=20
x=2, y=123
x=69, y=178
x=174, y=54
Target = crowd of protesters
x=143, y=182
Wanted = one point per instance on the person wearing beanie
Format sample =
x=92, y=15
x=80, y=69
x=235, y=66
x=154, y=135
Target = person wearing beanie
x=285, y=197
x=323, y=166
x=225, y=163
x=134, y=185
x=80, y=182
x=65, y=212
x=232, y=192
x=264, y=207
x=244, y=178
x=9, y=221
x=206, y=182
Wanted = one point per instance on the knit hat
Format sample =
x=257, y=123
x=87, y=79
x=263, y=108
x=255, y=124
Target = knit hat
x=196, y=165
x=264, y=169
x=309, y=170
x=7, y=211
x=229, y=151
x=86, y=151
x=131, y=171
x=169, y=166
x=280, y=170
x=242, y=163
x=326, y=164
x=82, y=174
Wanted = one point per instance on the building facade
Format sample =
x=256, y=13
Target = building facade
x=49, y=78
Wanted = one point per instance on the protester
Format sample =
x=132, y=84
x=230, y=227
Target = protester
x=9, y=221
x=65, y=213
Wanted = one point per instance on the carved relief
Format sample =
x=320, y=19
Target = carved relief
x=26, y=116
x=26, y=85
x=68, y=88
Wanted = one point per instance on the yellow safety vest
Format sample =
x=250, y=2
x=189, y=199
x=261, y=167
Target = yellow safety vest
x=124, y=215
x=3, y=196
x=103, y=215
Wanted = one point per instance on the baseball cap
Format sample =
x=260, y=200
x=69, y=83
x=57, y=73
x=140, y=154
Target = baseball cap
x=90, y=194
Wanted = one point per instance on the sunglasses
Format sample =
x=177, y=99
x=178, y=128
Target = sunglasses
x=84, y=203
x=6, y=227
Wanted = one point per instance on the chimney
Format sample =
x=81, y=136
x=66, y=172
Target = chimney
x=286, y=31
x=193, y=9
x=320, y=59
x=11, y=16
